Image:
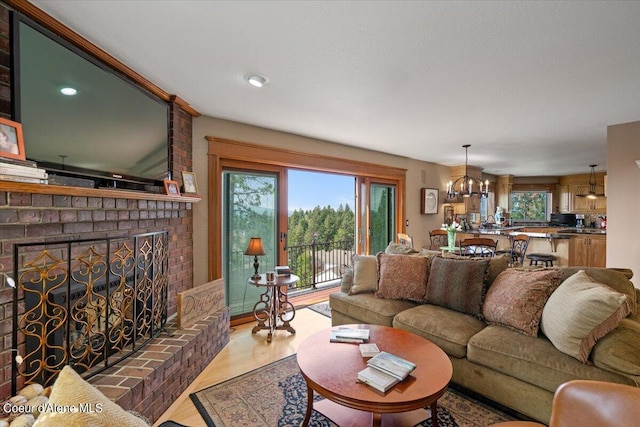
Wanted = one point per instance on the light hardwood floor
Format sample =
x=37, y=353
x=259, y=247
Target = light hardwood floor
x=245, y=352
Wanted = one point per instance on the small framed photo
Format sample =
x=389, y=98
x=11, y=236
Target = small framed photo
x=171, y=187
x=11, y=141
x=429, y=201
x=189, y=184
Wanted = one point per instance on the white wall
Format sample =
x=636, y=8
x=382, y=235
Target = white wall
x=623, y=198
x=436, y=176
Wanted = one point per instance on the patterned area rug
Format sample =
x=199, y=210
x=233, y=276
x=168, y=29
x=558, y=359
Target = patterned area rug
x=276, y=395
x=322, y=308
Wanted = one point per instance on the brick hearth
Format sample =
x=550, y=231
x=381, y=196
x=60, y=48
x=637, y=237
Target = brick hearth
x=151, y=380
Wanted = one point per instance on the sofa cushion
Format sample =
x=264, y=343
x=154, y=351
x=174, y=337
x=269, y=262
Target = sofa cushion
x=346, y=281
x=448, y=329
x=532, y=359
x=365, y=274
x=618, y=350
x=402, y=277
x=70, y=390
x=398, y=249
x=517, y=296
x=580, y=312
x=366, y=308
x=458, y=284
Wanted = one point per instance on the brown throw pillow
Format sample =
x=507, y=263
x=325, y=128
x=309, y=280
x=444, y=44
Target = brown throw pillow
x=580, y=312
x=402, y=277
x=458, y=284
x=517, y=296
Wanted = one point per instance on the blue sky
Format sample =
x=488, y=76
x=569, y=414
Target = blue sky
x=310, y=189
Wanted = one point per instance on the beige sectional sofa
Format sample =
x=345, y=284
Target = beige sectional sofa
x=525, y=332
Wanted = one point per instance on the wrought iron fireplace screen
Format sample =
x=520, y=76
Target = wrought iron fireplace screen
x=87, y=303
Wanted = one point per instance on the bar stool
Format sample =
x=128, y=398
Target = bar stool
x=519, y=244
x=545, y=259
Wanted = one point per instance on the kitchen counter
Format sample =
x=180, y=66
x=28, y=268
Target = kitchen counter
x=561, y=233
x=545, y=239
x=512, y=231
x=583, y=231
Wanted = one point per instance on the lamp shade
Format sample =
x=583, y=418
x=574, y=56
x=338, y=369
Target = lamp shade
x=255, y=247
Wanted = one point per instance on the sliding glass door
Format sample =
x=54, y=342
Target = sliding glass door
x=377, y=215
x=250, y=209
x=382, y=206
x=248, y=198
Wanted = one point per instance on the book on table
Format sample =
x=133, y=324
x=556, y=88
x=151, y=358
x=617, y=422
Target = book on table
x=376, y=379
x=369, y=349
x=385, y=370
x=283, y=271
x=391, y=364
x=349, y=335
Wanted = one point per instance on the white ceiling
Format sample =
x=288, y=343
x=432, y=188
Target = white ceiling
x=531, y=85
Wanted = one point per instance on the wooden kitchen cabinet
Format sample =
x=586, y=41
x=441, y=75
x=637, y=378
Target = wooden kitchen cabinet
x=464, y=205
x=564, y=197
x=585, y=205
x=588, y=251
x=472, y=204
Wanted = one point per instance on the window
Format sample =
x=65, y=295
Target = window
x=243, y=183
x=530, y=205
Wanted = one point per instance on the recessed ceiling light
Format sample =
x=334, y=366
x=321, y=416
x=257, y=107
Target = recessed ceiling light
x=69, y=91
x=257, y=80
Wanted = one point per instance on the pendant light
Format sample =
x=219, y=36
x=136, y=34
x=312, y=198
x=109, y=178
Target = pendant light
x=592, y=183
x=464, y=186
x=591, y=194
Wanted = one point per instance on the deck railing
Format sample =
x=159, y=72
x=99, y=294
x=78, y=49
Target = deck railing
x=315, y=263
x=320, y=262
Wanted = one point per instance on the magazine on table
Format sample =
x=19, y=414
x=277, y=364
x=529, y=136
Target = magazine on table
x=376, y=379
x=391, y=364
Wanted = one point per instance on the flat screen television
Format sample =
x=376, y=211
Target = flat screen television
x=111, y=131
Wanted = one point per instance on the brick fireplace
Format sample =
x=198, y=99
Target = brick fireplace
x=154, y=377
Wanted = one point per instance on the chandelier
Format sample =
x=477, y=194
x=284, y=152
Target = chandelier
x=465, y=186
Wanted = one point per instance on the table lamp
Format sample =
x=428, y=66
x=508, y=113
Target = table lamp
x=255, y=248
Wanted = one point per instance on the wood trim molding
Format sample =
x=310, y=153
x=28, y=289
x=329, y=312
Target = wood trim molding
x=244, y=151
x=33, y=12
x=20, y=187
x=229, y=153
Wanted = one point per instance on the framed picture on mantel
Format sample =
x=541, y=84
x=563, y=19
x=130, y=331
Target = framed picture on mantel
x=171, y=187
x=11, y=140
x=429, y=201
x=189, y=184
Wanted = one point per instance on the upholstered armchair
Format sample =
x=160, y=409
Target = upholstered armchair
x=590, y=404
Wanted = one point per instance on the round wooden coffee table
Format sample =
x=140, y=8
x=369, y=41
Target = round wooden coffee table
x=331, y=370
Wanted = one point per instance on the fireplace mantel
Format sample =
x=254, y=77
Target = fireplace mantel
x=19, y=187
